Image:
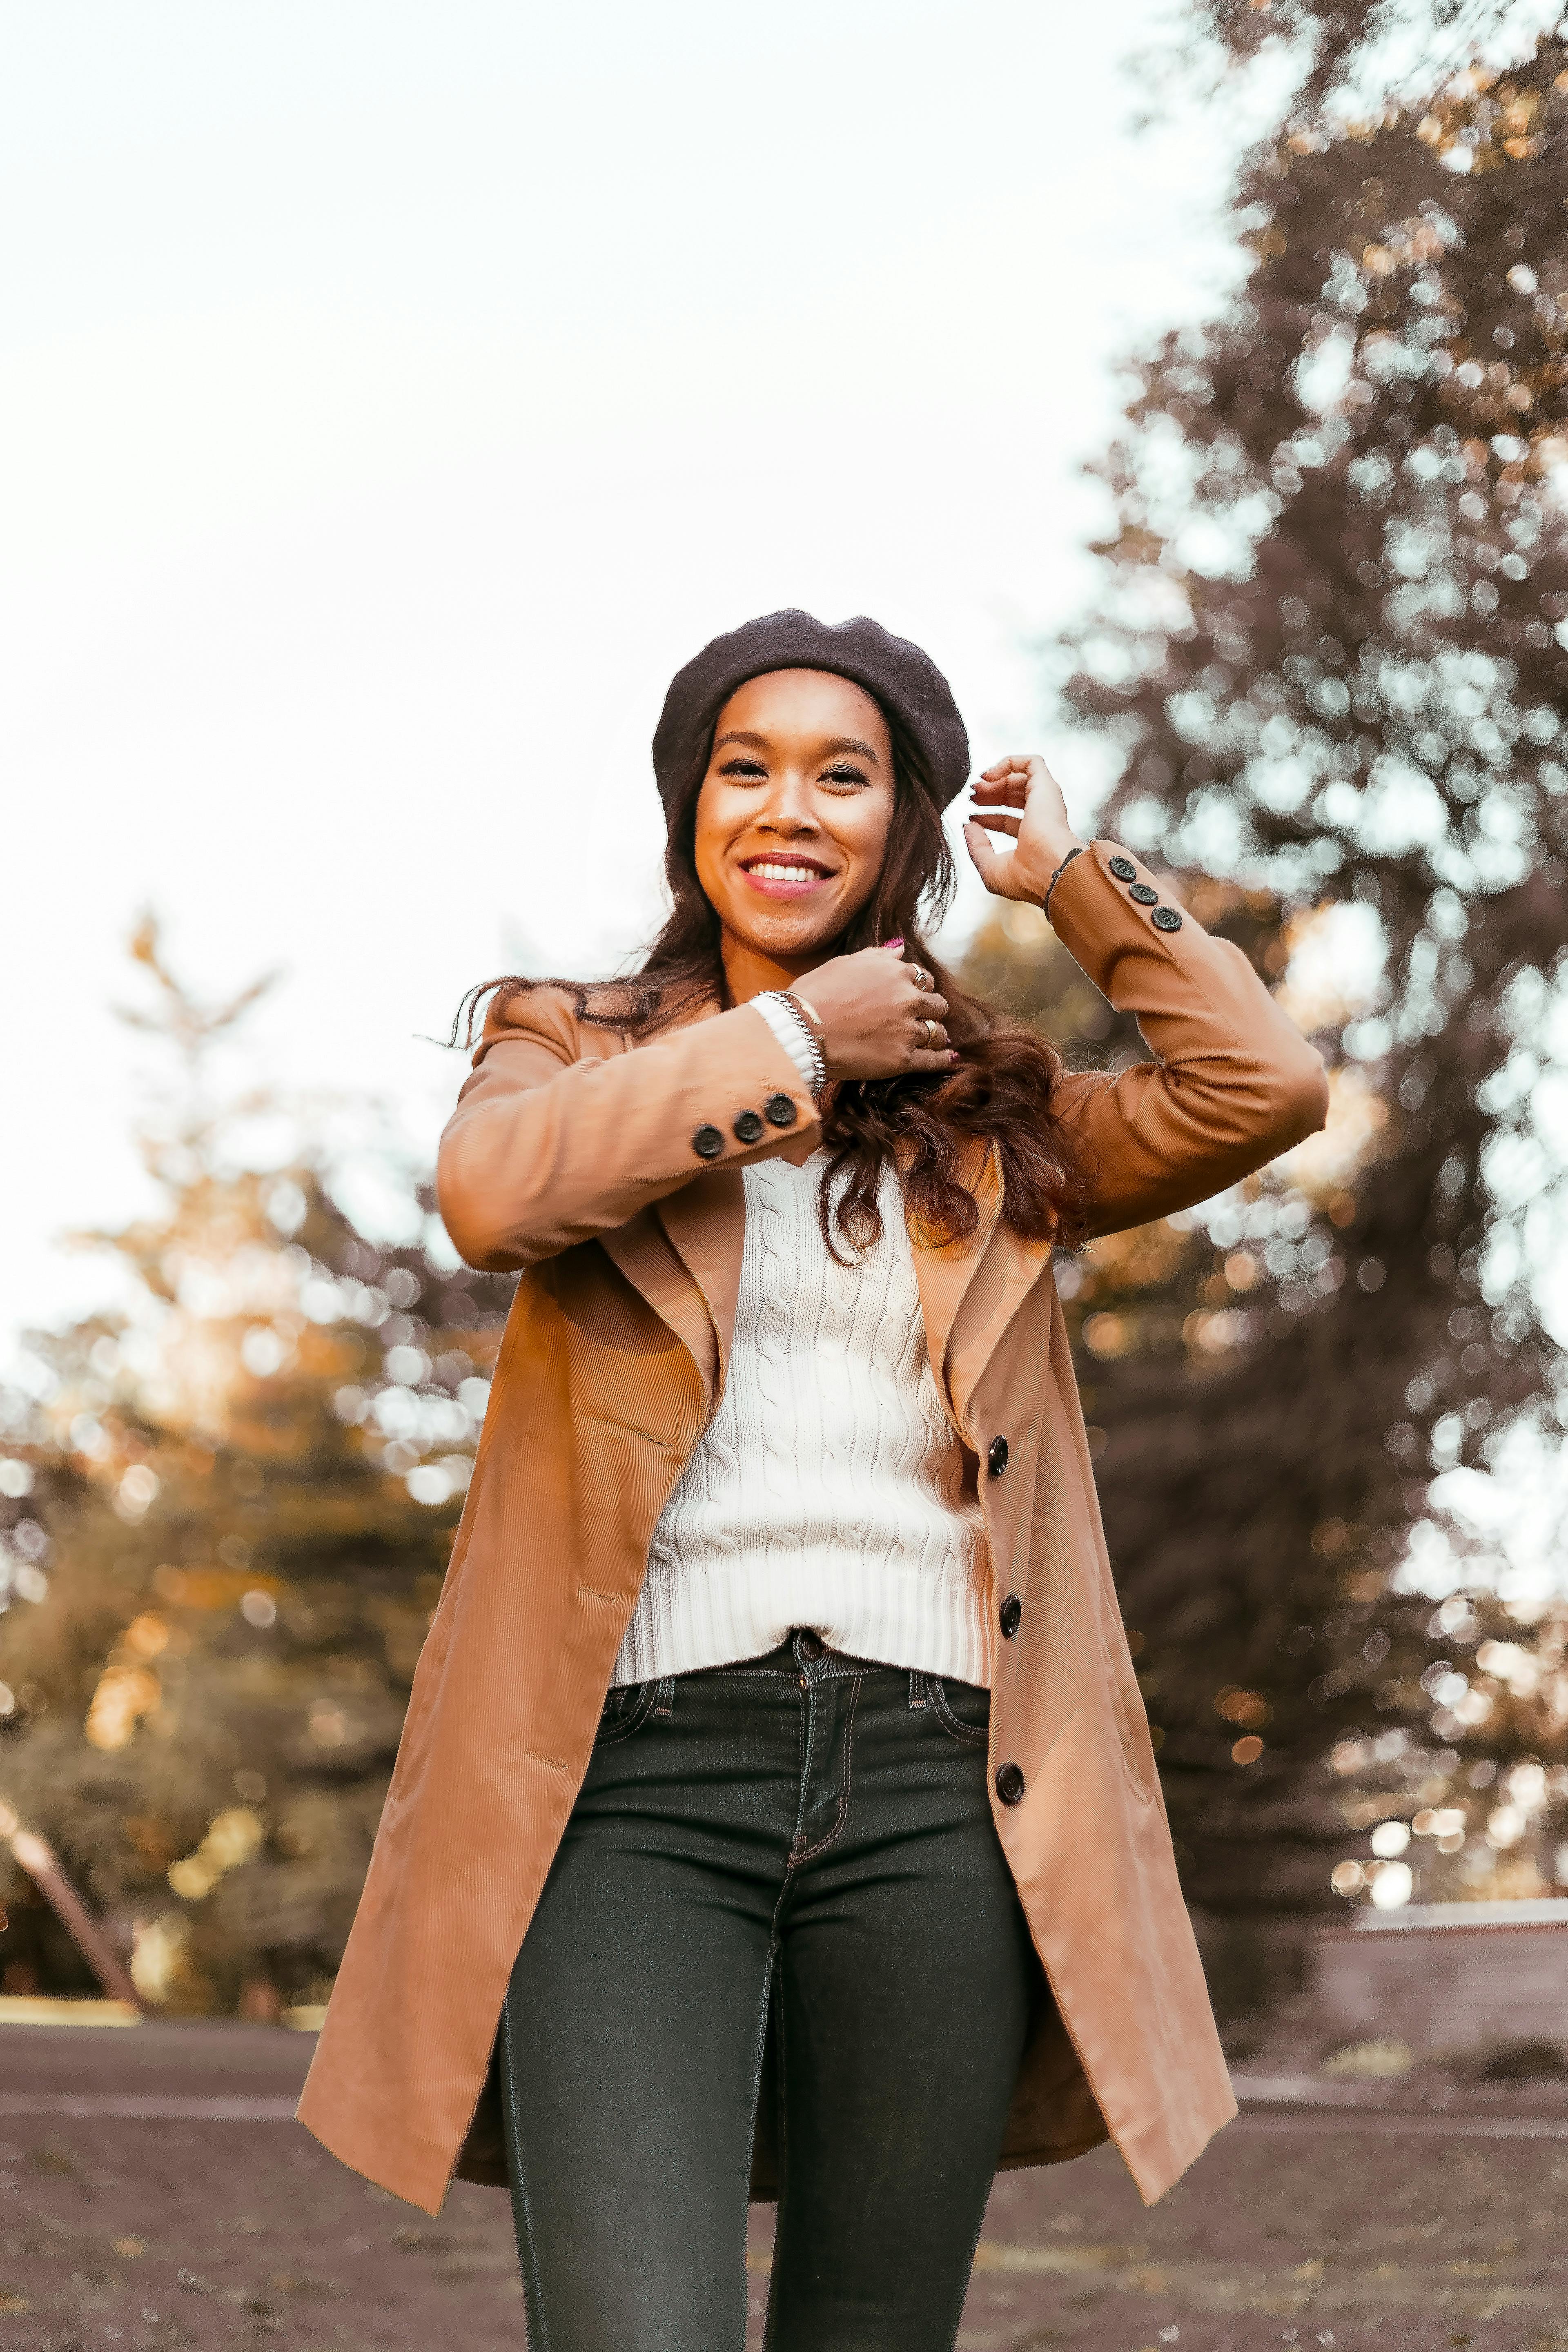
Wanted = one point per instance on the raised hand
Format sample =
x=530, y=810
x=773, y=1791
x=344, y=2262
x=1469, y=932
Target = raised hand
x=1019, y=796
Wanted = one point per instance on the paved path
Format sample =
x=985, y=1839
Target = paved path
x=153, y=2195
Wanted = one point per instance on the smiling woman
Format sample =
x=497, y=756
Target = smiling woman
x=776, y=1768
x=804, y=808
x=794, y=806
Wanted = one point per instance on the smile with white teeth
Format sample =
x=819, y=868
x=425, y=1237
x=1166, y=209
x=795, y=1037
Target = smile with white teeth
x=773, y=872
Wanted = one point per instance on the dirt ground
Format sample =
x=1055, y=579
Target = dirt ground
x=192, y=2213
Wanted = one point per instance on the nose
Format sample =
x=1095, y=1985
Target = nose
x=788, y=811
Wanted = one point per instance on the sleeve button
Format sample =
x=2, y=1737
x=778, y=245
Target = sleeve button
x=1124, y=869
x=1010, y=1616
x=1165, y=918
x=1143, y=894
x=996, y=1459
x=708, y=1143
x=1010, y=1783
x=780, y=1110
x=748, y=1127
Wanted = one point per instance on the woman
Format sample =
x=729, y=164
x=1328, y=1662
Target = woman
x=775, y=1800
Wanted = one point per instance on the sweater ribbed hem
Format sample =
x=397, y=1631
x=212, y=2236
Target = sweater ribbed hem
x=728, y=1607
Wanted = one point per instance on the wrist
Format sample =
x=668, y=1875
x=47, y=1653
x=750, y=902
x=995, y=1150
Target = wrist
x=798, y=1028
x=1045, y=867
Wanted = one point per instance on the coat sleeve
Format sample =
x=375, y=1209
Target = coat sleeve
x=1235, y=1084
x=550, y=1146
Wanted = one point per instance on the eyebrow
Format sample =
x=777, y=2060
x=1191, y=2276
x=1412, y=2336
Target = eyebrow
x=836, y=743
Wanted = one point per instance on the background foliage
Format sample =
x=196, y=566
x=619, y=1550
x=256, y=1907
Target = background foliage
x=1329, y=657
x=230, y=1509
x=1328, y=660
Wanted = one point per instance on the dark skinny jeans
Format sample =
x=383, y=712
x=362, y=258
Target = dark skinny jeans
x=806, y=1833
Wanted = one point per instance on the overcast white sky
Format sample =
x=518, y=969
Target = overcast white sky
x=395, y=394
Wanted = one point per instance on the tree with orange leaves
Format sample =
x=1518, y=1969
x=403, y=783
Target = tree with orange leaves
x=226, y=1512
x=1328, y=657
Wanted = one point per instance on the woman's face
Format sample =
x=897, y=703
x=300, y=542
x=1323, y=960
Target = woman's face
x=794, y=810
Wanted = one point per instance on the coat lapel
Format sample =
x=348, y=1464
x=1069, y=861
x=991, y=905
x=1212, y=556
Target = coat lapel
x=970, y=1291
x=684, y=1256
x=705, y=1223
x=1013, y=1267
x=944, y=1275
x=645, y=1255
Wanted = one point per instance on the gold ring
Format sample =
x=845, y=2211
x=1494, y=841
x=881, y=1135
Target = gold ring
x=933, y=1030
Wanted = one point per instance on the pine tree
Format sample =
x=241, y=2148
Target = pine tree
x=233, y=1506
x=1329, y=655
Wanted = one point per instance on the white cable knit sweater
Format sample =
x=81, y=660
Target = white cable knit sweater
x=828, y=1489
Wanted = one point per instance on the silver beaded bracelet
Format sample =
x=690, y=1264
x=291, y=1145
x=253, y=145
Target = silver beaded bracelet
x=794, y=1007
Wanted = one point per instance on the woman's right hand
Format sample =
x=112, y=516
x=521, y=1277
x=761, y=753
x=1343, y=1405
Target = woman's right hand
x=875, y=1017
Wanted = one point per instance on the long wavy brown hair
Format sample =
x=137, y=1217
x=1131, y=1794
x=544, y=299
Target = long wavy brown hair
x=1000, y=1092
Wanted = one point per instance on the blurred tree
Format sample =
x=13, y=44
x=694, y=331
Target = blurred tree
x=230, y=1508
x=1328, y=657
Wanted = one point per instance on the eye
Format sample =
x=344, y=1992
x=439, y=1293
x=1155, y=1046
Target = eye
x=746, y=769
x=844, y=776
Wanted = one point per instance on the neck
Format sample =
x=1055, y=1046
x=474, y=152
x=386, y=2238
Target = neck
x=750, y=971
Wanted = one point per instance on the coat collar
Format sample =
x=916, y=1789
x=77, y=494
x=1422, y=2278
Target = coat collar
x=705, y=1225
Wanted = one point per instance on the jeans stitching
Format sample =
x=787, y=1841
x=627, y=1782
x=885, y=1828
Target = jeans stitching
x=762, y=2039
x=821, y=1844
x=969, y=1734
x=782, y=2134
x=632, y=1721
x=751, y=1673
x=805, y=1745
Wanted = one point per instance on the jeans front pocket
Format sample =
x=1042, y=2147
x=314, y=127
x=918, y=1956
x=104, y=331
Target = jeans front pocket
x=626, y=1709
x=962, y=1710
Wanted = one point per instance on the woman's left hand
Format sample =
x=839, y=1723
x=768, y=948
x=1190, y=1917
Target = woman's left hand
x=1019, y=796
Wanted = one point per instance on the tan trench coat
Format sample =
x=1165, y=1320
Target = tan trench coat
x=571, y=1155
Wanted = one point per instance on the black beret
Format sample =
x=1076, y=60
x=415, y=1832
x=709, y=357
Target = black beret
x=905, y=681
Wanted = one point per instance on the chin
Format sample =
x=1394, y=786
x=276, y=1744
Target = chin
x=789, y=939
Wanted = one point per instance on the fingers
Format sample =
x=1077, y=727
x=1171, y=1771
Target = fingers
x=1018, y=771
x=1012, y=783
x=1018, y=763
x=989, y=864
x=997, y=820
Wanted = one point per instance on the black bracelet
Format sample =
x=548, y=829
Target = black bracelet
x=1057, y=877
